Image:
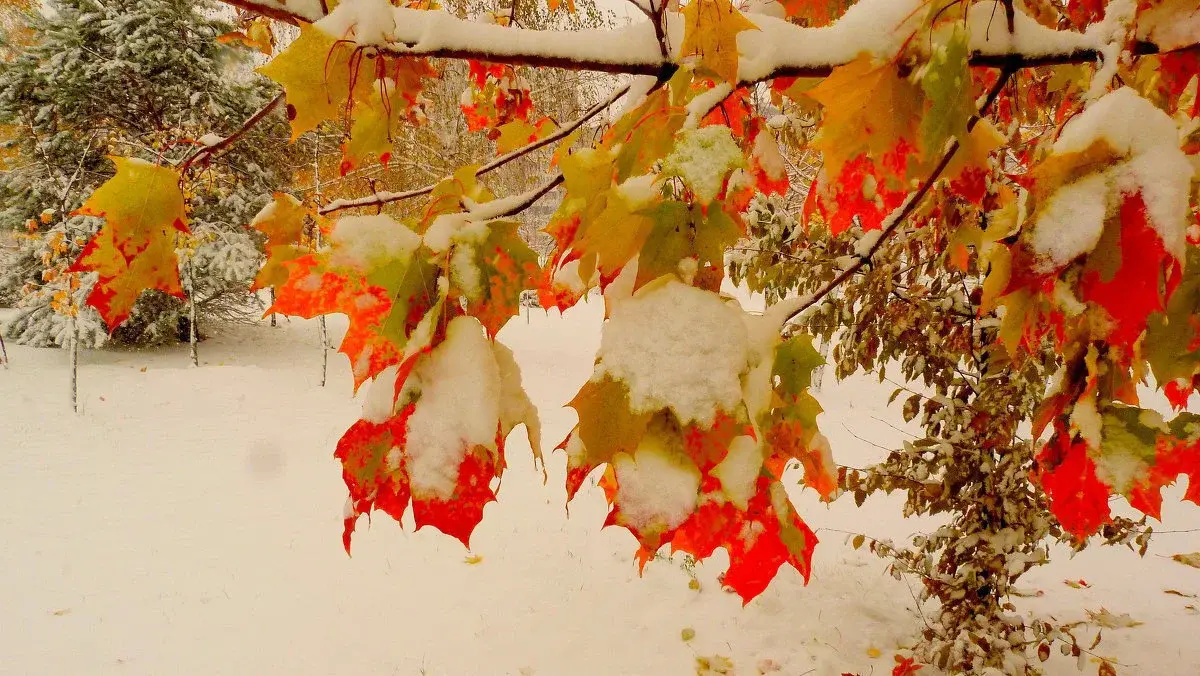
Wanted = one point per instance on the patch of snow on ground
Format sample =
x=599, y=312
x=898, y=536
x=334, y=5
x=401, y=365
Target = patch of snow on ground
x=188, y=521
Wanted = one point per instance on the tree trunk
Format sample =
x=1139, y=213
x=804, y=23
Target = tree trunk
x=74, y=365
x=324, y=336
x=192, y=314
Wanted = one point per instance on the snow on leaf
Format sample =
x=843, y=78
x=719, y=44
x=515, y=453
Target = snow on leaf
x=704, y=158
x=1109, y=620
x=446, y=444
x=691, y=361
x=143, y=209
x=490, y=265
x=815, y=13
x=710, y=31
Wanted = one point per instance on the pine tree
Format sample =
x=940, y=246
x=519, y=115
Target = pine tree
x=141, y=79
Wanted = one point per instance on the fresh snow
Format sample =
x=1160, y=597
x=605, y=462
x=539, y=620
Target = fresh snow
x=1156, y=168
x=187, y=521
x=457, y=392
x=1071, y=223
x=676, y=346
x=738, y=471
x=879, y=27
x=363, y=242
x=658, y=485
x=703, y=158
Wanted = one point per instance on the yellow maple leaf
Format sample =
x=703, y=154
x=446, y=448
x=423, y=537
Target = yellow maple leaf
x=315, y=72
x=710, y=30
x=137, y=203
x=122, y=280
x=869, y=108
x=282, y=221
x=518, y=133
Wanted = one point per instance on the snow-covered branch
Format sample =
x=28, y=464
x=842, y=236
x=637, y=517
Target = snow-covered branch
x=776, y=49
x=208, y=149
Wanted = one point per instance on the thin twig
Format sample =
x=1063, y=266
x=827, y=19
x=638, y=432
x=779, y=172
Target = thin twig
x=205, y=153
x=563, y=132
x=901, y=214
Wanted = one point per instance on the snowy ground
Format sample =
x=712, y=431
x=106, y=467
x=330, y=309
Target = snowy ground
x=189, y=520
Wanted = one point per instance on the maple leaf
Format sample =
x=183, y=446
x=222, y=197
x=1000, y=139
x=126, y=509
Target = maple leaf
x=143, y=209
x=815, y=13
x=1084, y=12
x=457, y=403
x=869, y=110
x=944, y=81
x=711, y=28
x=283, y=221
x=1134, y=283
x=316, y=72
x=519, y=133
x=1068, y=475
x=905, y=666
x=968, y=170
x=759, y=539
x=255, y=34
x=606, y=427
x=1172, y=341
x=489, y=270
x=681, y=232
x=646, y=134
x=379, y=275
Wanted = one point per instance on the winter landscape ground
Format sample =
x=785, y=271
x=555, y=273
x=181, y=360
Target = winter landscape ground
x=188, y=521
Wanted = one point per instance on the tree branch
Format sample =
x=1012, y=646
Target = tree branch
x=382, y=198
x=787, y=50
x=205, y=153
x=893, y=222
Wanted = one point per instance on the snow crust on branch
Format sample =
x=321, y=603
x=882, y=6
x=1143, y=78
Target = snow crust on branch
x=676, y=346
x=1155, y=167
x=879, y=27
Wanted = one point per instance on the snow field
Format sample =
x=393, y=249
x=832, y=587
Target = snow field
x=188, y=521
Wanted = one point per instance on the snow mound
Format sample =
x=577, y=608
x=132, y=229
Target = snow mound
x=676, y=346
